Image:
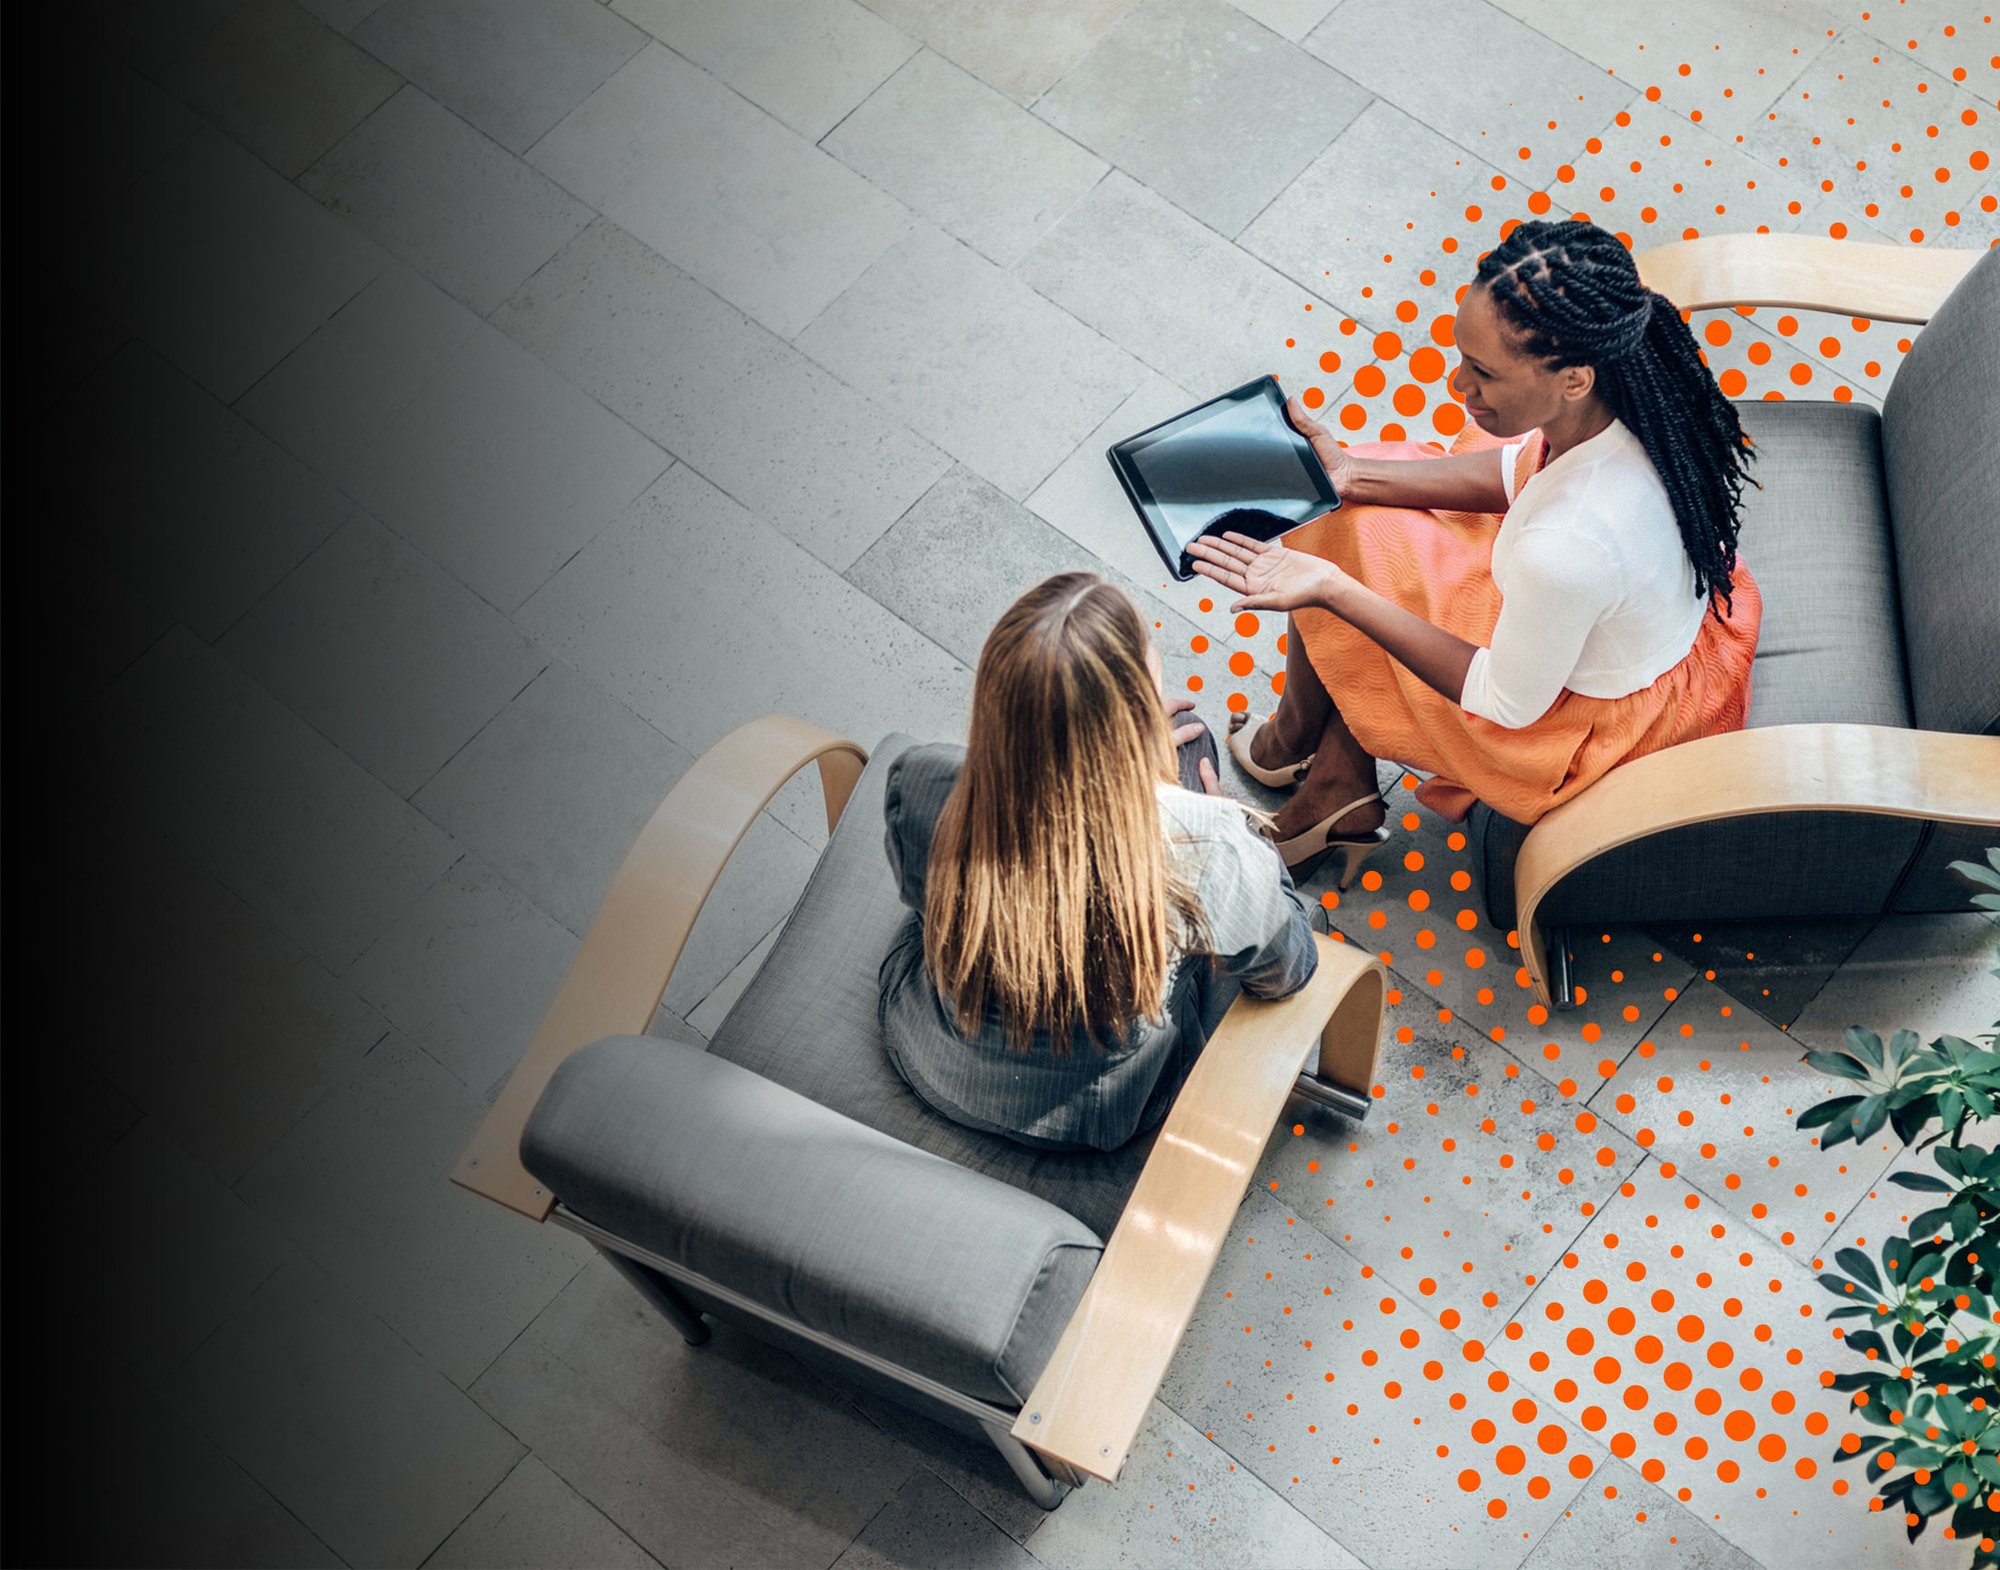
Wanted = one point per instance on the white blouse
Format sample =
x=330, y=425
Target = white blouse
x=1597, y=592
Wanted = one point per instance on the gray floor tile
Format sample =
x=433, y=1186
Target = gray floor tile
x=188, y=500
x=222, y=265
x=676, y=1506
x=1021, y=47
x=346, y=15
x=927, y=1524
x=152, y=34
x=471, y=217
x=1727, y=1119
x=1774, y=967
x=1930, y=974
x=1831, y=120
x=534, y=1520
x=747, y=411
x=553, y=794
x=125, y=125
x=327, y=400
x=514, y=69
x=1619, y=1521
x=281, y=82
x=919, y=331
x=181, y=1501
x=954, y=562
x=1935, y=33
x=1336, y=228
x=1434, y=930
x=89, y=1113
x=374, y=1450
x=273, y=809
x=338, y=639
x=1701, y=1344
x=1200, y=1509
x=1741, y=54
x=968, y=1463
x=1291, y=19
x=1468, y=90
x=629, y=614
x=808, y=62
x=733, y=204
x=1085, y=501
x=469, y=970
x=1504, y=1175
x=1694, y=179
x=362, y=1186
x=1166, y=289
x=500, y=471
x=244, y=1033
x=179, y=1252
x=745, y=1412
x=1164, y=98
x=113, y=622
x=966, y=157
x=1397, y=1493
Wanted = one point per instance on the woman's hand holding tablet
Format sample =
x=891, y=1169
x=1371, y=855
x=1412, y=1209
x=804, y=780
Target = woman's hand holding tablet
x=1236, y=463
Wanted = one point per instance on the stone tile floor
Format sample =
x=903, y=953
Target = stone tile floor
x=500, y=400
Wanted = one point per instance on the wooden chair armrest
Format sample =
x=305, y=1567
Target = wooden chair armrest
x=1087, y=1407
x=1890, y=283
x=621, y=970
x=1936, y=775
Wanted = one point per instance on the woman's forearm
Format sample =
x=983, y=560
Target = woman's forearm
x=1467, y=483
x=1438, y=658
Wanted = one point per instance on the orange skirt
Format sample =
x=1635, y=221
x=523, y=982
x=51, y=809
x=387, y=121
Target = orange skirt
x=1440, y=566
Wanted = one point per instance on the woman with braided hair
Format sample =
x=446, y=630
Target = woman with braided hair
x=1558, y=595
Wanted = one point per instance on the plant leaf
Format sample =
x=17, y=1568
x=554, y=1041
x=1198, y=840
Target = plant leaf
x=1923, y=1182
x=1865, y=1044
x=1826, y=1111
x=1839, y=1063
x=1859, y=1266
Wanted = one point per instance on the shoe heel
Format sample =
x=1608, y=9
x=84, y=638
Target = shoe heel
x=1351, y=856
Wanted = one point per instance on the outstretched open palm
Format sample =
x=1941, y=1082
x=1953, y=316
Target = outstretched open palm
x=1267, y=575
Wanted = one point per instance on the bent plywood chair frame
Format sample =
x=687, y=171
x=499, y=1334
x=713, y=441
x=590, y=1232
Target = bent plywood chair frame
x=1085, y=1411
x=1934, y=775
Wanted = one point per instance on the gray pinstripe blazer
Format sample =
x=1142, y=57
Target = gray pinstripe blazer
x=1090, y=1098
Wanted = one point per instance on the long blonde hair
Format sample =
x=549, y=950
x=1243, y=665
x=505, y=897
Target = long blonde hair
x=1050, y=890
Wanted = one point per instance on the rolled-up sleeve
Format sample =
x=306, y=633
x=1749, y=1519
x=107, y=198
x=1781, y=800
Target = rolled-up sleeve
x=1258, y=929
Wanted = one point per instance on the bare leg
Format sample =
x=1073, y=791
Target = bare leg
x=1309, y=721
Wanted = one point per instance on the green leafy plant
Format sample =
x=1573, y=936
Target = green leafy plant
x=1927, y=1322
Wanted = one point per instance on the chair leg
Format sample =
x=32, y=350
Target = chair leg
x=1558, y=952
x=661, y=1293
x=1046, y=1491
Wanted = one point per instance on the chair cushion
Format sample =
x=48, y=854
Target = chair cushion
x=811, y=1214
x=1942, y=463
x=809, y=1022
x=1817, y=537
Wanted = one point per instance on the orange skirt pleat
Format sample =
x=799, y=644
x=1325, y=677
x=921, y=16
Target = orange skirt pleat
x=1439, y=565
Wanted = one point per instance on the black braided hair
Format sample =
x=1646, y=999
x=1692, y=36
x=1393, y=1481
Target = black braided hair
x=1571, y=294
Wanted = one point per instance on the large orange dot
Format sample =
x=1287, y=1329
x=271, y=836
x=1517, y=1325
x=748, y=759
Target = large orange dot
x=1369, y=381
x=1552, y=1440
x=1739, y=1425
x=1469, y=1480
x=1408, y=399
x=1388, y=346
x=1444, y=331
x=1510, y=1459
x=1240, y=663
x=1247, y=625
x=1427, y=364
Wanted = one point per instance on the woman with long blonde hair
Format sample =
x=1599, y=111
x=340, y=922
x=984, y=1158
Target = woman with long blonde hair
x=1071, y=898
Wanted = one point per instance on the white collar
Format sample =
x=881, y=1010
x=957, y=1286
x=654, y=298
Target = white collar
x=1614, y=435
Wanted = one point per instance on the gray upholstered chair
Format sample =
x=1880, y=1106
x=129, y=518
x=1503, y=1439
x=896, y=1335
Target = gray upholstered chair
x=1871, y=758
x=788, y=1180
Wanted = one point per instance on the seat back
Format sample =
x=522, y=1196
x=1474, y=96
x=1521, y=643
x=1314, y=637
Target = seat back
x=1941, y=459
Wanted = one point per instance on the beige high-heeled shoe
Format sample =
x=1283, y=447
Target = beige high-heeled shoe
x=1277, y=779
x=1303, y=852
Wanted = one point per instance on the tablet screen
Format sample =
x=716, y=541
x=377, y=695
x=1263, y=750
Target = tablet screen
x=1237, y=451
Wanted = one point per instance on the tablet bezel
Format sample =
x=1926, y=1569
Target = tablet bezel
x=1141, y=496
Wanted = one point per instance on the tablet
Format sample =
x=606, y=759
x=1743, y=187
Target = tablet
x=1233, y=463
